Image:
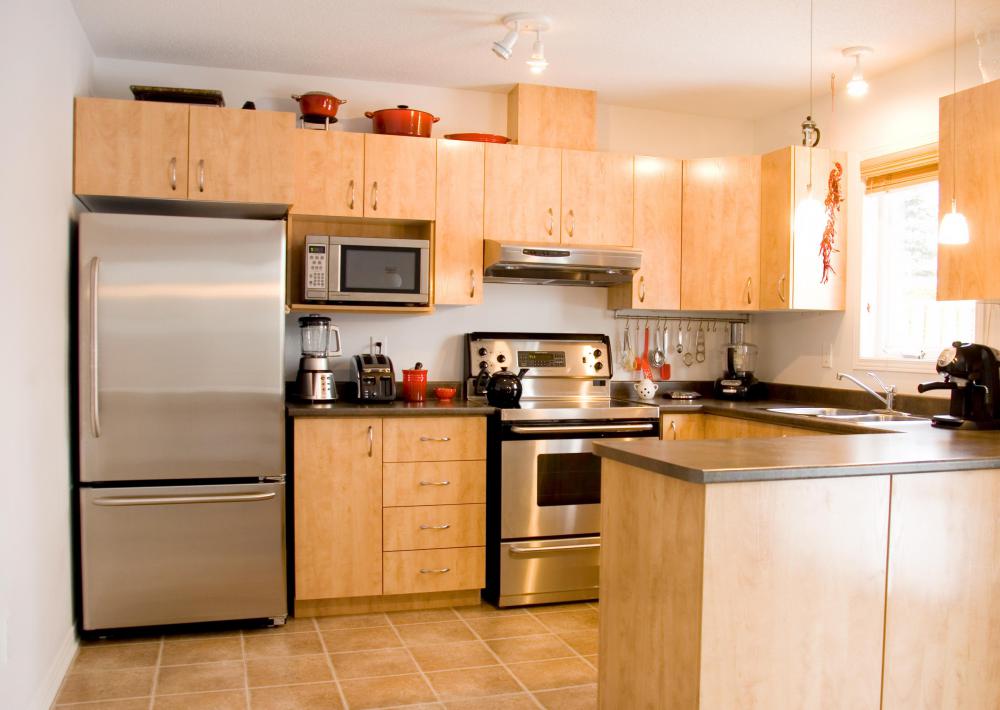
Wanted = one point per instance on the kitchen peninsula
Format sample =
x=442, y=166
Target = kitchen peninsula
x=853, y=571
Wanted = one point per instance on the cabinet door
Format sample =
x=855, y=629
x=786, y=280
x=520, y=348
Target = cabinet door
x=458, y=225
x=719, y=427
x=241, y=156
x=776, y=226
x=130, y=148
x=329, y=173
x=597, y=192
x=338, y=508
x=399, y=177
x=678, y=427
x=522, y=193
x=720, y=234
x=657, y=233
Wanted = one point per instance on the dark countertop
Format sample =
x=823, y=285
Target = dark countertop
x=432, y=407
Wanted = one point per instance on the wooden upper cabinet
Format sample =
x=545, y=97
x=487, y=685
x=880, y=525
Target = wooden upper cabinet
x=240, y=156
x=329, y=173
x=657, y=233
x=458, y=229
x=399, y=177
x=969, y=168
x=720, y=234
x=597, y=193
x=522, y=193
x=130, y=148
x=791, y=263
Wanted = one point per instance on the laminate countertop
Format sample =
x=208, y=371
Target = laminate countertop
x=398, y=408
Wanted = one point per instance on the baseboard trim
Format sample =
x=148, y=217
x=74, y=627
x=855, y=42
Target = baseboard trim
x=394, y=602
x=45, y=696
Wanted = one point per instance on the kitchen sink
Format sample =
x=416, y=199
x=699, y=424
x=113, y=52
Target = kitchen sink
x=846, y=415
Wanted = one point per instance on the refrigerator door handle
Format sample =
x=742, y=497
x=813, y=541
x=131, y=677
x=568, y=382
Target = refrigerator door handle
x=95, y=408
x=179, y=500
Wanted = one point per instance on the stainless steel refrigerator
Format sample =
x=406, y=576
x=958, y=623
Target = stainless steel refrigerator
x=181, y=419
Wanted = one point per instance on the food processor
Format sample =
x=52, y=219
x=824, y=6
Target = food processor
x=320, y=341
x=738, y=381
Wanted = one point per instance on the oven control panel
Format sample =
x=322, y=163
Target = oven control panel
x=543, y=358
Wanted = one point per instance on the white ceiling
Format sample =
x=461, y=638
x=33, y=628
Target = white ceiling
x=734, y=58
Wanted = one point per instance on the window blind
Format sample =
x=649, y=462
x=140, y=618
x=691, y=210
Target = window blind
x=907, y=167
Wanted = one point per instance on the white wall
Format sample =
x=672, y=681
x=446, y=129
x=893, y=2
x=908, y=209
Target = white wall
x=46, y=60
x=899, y=112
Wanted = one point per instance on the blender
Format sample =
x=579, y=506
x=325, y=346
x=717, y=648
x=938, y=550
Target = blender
x=738, y=381
x=320, y=343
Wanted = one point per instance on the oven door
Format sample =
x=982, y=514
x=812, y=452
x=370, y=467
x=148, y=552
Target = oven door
x=383, y=270
x=552, y=486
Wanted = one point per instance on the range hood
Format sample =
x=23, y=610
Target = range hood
x=560, y=265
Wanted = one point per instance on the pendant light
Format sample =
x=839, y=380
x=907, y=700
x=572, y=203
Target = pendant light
x=954, y=227
x=810, y=219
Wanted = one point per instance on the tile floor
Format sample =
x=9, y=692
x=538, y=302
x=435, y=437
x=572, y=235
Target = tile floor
x=464, y=658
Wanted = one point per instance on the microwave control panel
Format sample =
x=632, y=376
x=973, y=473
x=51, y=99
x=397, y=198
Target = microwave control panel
x=317, y=266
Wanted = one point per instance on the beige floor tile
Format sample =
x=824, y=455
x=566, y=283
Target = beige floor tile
x=583, y=642
x=352, y=621
x=292, y=625
x=282, y=645
x=473, y=682
x=288, y=670
x=116, y=657
x=421, y=616
x=368, y=664
x=119, y=640
x=208, y=650
x=507, y=626
x=530, y=648
x=557, y=673
x=200, y=678
x=223, y=700
x=448, y=656
x=106, y=685
x=440, y=632
x=582, y=698
x=486, y=609
x=582, y=620
x=131, y=704
x=559, y=608
x=380, y=692
x=341, y=640
x=316, y=696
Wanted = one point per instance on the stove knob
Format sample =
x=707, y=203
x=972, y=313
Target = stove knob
x=501, y=358
x=482, y=352
x=597, y=353
x=483, y=365
x=598, y=365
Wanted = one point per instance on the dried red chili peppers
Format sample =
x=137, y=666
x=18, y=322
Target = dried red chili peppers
x=834, y=198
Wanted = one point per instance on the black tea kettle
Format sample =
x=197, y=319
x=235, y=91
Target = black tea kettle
x=504, y=388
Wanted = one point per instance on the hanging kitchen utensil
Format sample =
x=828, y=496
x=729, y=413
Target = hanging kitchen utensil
x=656, y=358
x=699, y=346
x=647, y=372
x=628, y=356
x=688, y=355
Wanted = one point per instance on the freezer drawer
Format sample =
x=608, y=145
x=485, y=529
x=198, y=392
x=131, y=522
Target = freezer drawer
x=179, y=554
x=545, y=571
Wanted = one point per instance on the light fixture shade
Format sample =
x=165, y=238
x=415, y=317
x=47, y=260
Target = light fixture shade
x=810, y=219
x=505, y=47
x=857, y=86
x=954, y=227
x=537, y=61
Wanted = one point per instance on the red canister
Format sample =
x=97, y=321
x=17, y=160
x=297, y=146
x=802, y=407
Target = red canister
x=414, y=385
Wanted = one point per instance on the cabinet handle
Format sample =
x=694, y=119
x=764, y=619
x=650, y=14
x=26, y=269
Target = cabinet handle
x=442, y=570
x=442, y=526
x=375, y=196
x=642, y=289
x=552, y=221
x=571, y=225
x=350, y=203
x=435, y=438
x=781, y=288
x=472, y=283
x=673, y=429
x=201, y=175
x=435, y=483
x=371, y=441
x=173, y=173
x=747, y=288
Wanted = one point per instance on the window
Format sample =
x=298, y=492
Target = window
x=901, y=323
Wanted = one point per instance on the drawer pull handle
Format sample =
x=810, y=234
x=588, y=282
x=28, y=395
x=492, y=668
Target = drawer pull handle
x=443, y=526
x=442, y=570
x=435, y=483
x=435, y=438
x=371, y=441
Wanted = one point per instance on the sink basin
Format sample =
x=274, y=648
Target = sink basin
x=830, y=412
x=886, y=418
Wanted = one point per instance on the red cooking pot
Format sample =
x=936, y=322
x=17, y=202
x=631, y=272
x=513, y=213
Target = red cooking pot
x=319, y=104
x=402, y=121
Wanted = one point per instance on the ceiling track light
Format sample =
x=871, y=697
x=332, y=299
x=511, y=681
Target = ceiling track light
x=857, y=86
x=524, y=22
x=537, y=61
x=954, y=228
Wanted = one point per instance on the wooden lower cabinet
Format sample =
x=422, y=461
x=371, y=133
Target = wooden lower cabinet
x=435, y=439
x=417, y=571
x=679, y=427
x=433, y=482
x=424, y=527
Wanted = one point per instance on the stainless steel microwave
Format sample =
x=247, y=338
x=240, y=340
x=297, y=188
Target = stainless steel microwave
x=366, y=270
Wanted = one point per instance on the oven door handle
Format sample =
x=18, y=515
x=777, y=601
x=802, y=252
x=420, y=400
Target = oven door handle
x=518, y=550
x=583, y=428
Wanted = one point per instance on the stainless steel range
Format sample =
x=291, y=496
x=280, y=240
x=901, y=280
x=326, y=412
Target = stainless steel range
x=543, y=481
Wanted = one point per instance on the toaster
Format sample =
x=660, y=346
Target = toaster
x=372, y=379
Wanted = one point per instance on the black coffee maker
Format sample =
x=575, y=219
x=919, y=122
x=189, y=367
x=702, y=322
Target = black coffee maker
x=972, y=373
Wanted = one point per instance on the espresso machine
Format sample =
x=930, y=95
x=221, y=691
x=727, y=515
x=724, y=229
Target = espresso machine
x=738, y=382
x=320, y=344
x=972, y=373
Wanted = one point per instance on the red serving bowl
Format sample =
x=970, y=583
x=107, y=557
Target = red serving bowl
x=478, y=137
x=444, y=392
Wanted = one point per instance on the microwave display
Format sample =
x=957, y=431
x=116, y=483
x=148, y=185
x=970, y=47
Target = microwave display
x=379, y=270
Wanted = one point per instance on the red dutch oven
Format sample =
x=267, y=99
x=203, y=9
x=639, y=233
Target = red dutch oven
x=319, y=104
x=402, y=121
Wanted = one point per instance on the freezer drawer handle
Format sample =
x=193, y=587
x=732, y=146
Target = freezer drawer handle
x=516, y=550
x=95, y=410
x=178, y=500
x=623, y=428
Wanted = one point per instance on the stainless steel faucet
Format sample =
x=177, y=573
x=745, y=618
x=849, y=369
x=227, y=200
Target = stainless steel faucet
x=890, y=391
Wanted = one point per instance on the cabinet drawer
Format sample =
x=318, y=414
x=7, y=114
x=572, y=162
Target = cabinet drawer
x=433, y=526
x=433, y=570
x=433, y=483
x=434, y=439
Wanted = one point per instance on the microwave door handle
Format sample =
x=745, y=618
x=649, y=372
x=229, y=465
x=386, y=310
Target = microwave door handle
x=333, y=269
